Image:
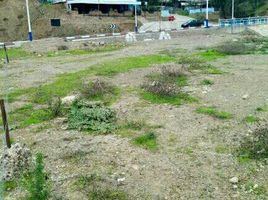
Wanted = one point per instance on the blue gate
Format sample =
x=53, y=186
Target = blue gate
x=243, y=21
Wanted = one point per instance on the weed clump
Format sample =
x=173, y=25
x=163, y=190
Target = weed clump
x=96, y=88
x=161, y=88
x=255, y=145
x=148, y=141
x=165, y=87
x=92, y=116
x=36, y=182
x=55, y=107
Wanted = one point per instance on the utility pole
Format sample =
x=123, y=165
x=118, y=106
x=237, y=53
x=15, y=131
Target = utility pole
x=30, y=34
x=136, y=19
x=232, y=26
x=206, y=21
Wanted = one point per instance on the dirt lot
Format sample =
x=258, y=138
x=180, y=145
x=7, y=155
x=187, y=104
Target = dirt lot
x=194, y=158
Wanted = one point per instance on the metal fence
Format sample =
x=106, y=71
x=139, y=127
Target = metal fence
x=243, y=21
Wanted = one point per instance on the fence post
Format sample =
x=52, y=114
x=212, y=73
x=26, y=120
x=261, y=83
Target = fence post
x=5, y=122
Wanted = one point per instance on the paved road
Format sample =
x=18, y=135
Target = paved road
x=155, y=25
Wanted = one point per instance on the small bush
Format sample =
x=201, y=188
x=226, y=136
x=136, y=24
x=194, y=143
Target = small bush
x=55, y=106
x=96, y=88
x=171, y=72
x=91, y=116
x=148, y=141
x=255, y=145
x=36, y=182
x=161, y=88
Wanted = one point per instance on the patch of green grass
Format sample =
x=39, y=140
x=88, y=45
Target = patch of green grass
x=9, y=185
x=27, y=116
x=210, y=55
x=75, y=52
x=251, y=119
x=212, y=111
x=173, y=100
x=68, y=82
x=147, y=141
x=14, y=53
x=262, y=108
x=182, y=81
x=207, y=82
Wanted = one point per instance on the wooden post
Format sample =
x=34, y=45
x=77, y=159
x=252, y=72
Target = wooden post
x=5, y=122
x=5, y=49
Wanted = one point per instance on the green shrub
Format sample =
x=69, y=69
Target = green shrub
x=91, y=116
x=36, y=182
x=148, y=141
x=255, y=145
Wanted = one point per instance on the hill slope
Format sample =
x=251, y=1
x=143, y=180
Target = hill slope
x=13, y=21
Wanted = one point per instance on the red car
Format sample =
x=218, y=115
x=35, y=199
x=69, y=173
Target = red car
x=171, y=18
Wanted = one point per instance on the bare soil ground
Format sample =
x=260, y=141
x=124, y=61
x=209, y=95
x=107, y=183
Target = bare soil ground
x=194, y=159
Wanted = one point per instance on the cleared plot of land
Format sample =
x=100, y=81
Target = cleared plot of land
x=166, y=146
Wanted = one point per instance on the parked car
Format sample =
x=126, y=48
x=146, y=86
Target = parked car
x=192, y=23
x=171, y=18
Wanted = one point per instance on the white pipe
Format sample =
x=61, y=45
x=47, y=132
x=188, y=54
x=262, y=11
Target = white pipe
x=207, y=11
x=29, y=21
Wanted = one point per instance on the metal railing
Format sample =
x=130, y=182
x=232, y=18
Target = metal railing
x=243, y=21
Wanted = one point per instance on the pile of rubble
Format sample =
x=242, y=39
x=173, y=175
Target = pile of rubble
x=15, y=161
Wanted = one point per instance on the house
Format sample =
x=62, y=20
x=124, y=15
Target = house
x=86, y=6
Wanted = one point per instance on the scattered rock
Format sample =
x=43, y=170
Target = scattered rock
x=164, y=36
x=69, y=100
x=15, y=161
x=244, y=97
x=131, y=37
x=121, y=180
x=234, y=180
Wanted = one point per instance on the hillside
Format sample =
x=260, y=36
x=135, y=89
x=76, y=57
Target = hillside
x=13, y=21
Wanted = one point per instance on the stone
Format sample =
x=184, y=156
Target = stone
x=164, y=36
x=130, y=37
x=234, y=180
x=68, y=100
x=235, y=186
x=15, y=161
x=244, y=97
